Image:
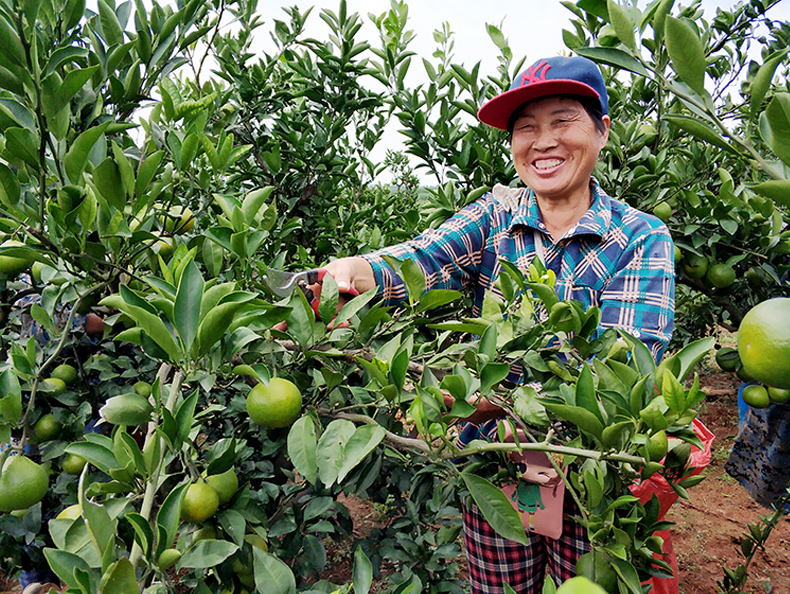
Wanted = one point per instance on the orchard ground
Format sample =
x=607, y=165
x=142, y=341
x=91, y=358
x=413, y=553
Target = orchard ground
x=707, y=528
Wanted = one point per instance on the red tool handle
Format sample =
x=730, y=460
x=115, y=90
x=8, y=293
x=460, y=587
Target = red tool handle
x=320, y=274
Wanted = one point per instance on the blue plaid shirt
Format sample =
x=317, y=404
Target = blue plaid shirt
x=616, y=258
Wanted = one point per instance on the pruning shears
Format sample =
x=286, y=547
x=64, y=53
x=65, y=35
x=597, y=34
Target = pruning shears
x=283, y=283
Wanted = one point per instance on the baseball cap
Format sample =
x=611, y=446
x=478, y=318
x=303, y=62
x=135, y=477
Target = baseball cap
x=548, y=76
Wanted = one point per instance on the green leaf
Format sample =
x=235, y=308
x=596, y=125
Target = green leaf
x=613, y=57
x=686, y=52
x=143, y=534
x=185, y=416
x=252, y=203
x=622, y=24
x=100, y=527
x=437, y=298
x=109, y=182
x=362, y=576
x=146, y=172
x=22, y=144
x=111, y=27
x=169, y=517
x=98, y=455
x=330, y=449
x=585, y=392
x=491, y=375
x=699, y=129
x=414, y=279
x=63, y=564
x=272, y=575
x=77, y=156
x=351, y=308
x=659, y=19
x=777, y=190
x=495, y=507
x=207, y=553
x=581, y=417
x=302, y=448
x=121, y=578
x=214, y=325
x=187, y=305
x=693, y=353
x=762, y=80
x=362, y=442
x=777, y=133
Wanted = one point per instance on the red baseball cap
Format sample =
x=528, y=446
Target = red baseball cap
x=548, y=76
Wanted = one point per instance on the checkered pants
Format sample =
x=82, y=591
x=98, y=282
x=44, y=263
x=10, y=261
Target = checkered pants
x=494, y=560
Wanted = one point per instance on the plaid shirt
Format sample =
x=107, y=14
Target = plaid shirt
x=616, y=258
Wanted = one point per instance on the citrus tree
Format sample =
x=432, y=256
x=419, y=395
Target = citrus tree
x=179, y=434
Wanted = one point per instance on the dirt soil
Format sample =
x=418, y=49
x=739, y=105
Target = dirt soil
x=710, y=524
x=708, y=527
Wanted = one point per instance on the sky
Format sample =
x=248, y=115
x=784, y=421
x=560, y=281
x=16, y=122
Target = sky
x=533, y=29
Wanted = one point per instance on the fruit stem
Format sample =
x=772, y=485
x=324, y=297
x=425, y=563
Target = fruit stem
x=153, y=481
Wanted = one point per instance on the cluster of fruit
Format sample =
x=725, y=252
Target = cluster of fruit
x=762, y=358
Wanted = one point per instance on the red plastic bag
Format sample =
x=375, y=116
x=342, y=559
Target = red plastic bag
x=658, y=485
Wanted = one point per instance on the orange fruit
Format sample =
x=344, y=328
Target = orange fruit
x=200, y=503
x=65, y=372
x=580, y=585
x=756, y=396
x=53, y=386
x=168, y=558
x=11, y=266
x=727, y=359
x=764, y=342
x=73, y=464
x=663, y=211
x=47, y=427
x=657, y=446
x=720, y=275
x=778, y=395
x=695, y=265
x=275, y=405
x=22, y=483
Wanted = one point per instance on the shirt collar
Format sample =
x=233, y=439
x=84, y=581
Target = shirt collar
x=595, y=221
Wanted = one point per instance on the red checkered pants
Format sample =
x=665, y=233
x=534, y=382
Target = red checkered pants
x=495, y=561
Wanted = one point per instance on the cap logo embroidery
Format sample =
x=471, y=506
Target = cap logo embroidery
x=536, y=73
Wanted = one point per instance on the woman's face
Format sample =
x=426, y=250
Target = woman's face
x=555, y=147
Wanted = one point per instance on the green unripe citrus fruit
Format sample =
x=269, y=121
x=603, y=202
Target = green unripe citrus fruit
x=764, y=342
x=200, y=503
x=657, y=446
x=756, y=396
x=22, y=483
x=12, y=266
x=663, y=211
x=168, y=558
x=47, y=427
x=727, y=359
x=53, y=386
x=695, y=265
x=580, y=585
x=275, y=405
x=142, y=388
x=65, y=372
x=720, y=275
x=73, y=464
x=778, y=395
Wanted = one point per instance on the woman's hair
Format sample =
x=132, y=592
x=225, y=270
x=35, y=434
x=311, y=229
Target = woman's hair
x=591, y=105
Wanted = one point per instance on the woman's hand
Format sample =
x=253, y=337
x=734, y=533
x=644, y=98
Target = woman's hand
x=484, y=409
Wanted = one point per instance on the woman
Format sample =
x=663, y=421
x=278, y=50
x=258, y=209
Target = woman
x=604, y=253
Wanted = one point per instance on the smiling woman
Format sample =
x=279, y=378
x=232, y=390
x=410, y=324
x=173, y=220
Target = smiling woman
x=603, y=252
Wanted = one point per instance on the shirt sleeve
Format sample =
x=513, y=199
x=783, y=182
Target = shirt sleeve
x=448, y=256
x=640, y=297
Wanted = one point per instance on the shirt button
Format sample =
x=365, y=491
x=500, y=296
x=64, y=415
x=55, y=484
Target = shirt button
x=636, y=333
x=541, y=225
